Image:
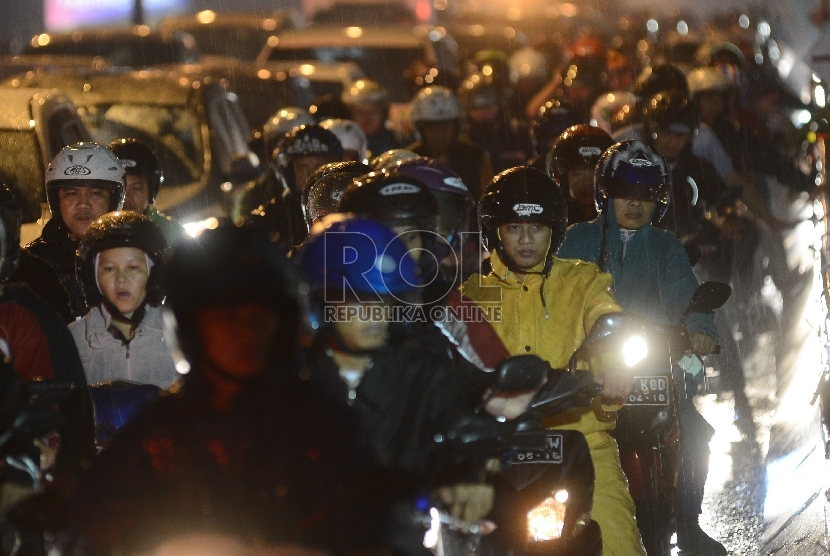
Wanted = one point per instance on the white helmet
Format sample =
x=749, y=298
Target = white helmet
x=283, y=121
x=708, y=79
x=609, y=105
x=351, y=136
x=528, y=63
x=436, y=104
x=85, y=165
x=390, y=158
x=365, y=91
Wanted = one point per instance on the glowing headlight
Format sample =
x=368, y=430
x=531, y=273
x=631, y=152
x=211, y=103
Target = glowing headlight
x=635, y=350
x=546, y=521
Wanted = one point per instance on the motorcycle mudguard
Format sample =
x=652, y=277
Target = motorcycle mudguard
x=587, y=543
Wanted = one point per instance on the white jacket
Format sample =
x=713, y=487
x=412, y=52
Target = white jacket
x=145, y=359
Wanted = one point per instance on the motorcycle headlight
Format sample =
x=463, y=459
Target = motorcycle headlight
x=546, y=521
x=635, y=349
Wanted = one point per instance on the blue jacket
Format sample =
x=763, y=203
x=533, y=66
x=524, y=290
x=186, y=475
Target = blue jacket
x=654, y=280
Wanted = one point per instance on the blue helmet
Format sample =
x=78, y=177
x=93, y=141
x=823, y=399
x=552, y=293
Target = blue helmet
x=633, y=169
x=346, y=253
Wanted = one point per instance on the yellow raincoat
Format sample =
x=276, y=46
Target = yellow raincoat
x=576, y=293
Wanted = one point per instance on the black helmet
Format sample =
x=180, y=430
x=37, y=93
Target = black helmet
x=353, y=167
x=139, y=160
x=325, y=193
x=662, y=77
x=632, y=169
x=231, y=265
x=522, y=194
x=393, y=198
x=121, y=229
x=10, y=224
x=305, y=140
x=670, y=110
x=554, y=117
x=580, y=146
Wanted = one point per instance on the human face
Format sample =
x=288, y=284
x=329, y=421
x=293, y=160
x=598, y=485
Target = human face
x=526, y=243
x=438, y=136
x=670, y=144
x=80, y=206
x=581, y=186
x=122, y=277
x=362, y=335
x=238, y=339
x=304, y=166
x=370, y=117
x=138, y=194
x=633, y=214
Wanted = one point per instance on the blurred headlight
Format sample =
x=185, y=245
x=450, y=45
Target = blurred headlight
x=546, y=521
x=635, y=349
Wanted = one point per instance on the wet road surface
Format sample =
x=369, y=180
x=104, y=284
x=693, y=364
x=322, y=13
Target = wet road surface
x=767, y=480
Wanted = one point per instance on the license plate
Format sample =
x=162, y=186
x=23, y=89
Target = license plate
x=548, y=449
x=649, y=390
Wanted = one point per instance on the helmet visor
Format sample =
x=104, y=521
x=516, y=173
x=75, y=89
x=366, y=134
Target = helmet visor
x=654, y=193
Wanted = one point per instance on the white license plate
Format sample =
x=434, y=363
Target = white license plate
x=649, y=390
x=549, y=450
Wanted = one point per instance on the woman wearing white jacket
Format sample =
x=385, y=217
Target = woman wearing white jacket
x=122, y=336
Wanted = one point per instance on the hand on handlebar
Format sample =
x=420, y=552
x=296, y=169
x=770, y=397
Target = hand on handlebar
x=469, y=502
x=511, y=406
x=703, y=344
x=616, y=387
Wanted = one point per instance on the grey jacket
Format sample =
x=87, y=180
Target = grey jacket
x=145, y=359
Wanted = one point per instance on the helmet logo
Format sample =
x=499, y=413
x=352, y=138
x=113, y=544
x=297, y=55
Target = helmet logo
x=527, y=209
x=585, y=152
x=307, y=144
x=639, y=160
x=453, y=181
x=399, y=189
x=127, y=163
x=77, y=171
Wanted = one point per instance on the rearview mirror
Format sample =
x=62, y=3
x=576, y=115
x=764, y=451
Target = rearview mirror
x=708, y=297
x=521, y=373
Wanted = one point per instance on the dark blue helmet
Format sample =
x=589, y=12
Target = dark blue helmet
x=348, y=254
x=633, y=170
x=305, y=140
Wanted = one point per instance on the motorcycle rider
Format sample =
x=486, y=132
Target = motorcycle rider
x=438, y=117
x=83, y=182
x=144, y=179
x=670, y=120
x=403, y=391
x=652, y=276
x=274, y=201
x=208, y=458
x=548, y=305
x=402, y=203
x=35, y=340
x=553, y=118
x=368, y=102
x=571, y=163
x=490, y=125
x=122, y=336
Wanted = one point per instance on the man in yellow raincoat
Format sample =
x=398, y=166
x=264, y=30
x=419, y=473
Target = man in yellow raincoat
x=546, y=307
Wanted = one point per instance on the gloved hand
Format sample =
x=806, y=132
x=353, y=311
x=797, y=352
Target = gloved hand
x=468, y=502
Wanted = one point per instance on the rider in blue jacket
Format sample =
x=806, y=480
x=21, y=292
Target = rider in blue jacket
x=652, y=276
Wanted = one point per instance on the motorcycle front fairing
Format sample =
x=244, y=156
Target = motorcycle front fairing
x=534, y=466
